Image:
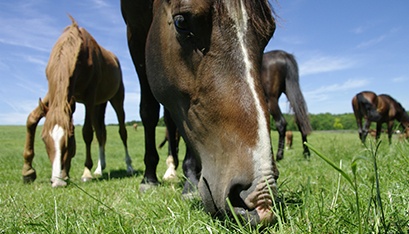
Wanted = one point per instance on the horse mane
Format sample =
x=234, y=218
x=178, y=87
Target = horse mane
x=60, y=70
x=259, y=20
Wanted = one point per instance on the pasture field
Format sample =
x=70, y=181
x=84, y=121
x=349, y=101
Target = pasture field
x=371, y=196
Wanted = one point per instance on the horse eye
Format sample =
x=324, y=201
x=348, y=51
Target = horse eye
x=181, y=24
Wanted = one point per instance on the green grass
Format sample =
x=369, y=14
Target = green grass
x=318, y=198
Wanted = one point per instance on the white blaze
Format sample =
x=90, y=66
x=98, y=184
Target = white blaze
x=57, y=134
x=262, y=152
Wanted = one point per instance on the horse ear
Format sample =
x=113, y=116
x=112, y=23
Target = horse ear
x=43, y=107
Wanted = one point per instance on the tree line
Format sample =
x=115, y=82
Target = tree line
x=323, y=121
x=328, y=121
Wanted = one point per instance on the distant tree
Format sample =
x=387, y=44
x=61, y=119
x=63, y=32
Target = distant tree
x=337, y=124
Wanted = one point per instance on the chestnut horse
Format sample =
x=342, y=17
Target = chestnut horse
x=279, y=75
x=380, y=109
x=78, y=70
x=288, y=140
x=202, y=61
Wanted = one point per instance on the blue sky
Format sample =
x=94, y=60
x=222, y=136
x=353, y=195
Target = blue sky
x=342, y=47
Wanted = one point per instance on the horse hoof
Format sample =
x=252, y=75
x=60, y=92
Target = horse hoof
x=29, y=175
x=58, y=183
x=86, y=179
x=29, y=178
x=170, y=176
x=130, y=171
x=146, y=186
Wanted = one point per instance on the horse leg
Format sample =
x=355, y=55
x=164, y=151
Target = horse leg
x=378, y=130
x=172, y=160
x=390, y=126
x=101, y=133
x=306, y=152
x=365, y=130
x=358, y=118
x=118, y=104
x=281, y=125
x=88, y=135
x=29, y=173
x=191, y=170
x=149, y=111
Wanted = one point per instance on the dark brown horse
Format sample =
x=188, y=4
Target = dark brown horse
x=202, y=61
x=279, y=75
x=78, y=70
x=379, y=109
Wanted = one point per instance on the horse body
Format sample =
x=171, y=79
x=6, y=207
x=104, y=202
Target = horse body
x=280, y=75
x=201, y=57
x=380, y=109
x=79, y=70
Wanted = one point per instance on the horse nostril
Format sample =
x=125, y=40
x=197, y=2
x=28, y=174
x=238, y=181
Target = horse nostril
x=235, y=198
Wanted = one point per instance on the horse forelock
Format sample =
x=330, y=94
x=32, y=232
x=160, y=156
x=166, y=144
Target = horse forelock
x=259, y=13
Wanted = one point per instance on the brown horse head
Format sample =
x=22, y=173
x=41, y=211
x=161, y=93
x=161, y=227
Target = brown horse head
x=58, y=137
x=203, y=64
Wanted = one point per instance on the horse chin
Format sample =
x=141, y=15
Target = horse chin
x=263, y=216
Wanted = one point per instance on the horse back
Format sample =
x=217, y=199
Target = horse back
x=100, y=71
x=391, y=108
x=274, y=68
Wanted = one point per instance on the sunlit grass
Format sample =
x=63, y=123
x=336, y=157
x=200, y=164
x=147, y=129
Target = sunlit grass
x=317, y=198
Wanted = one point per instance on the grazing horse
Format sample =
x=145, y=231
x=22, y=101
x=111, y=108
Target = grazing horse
x=78, y=70
x=202, y=61
x=288, y=139
x=380, y=109
x=279, y=75
x=135, y=126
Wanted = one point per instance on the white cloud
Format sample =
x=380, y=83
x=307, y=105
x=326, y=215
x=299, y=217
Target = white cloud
x=323, y=92
x=321, y=64
x=399, y=79
x=372, y=42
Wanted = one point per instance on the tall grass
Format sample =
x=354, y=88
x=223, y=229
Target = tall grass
x=317, y=197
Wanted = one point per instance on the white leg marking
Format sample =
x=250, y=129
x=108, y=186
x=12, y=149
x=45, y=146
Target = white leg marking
x=101, y=162
x=170, y=173
x=128, y=161
x=57, y=134
x=86, y=176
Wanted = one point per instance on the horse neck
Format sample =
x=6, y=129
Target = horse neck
x=61, y=73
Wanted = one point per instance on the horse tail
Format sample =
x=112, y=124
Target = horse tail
x=295, y=97
x=163, y=143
